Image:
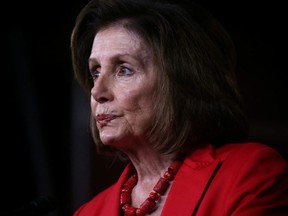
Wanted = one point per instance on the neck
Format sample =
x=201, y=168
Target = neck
x=150, y=165
x=157, y=177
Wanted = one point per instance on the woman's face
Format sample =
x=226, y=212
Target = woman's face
x=124, y=81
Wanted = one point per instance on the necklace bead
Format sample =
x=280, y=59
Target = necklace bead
x=150, y=203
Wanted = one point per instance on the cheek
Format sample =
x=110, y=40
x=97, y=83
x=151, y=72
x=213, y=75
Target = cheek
x=138, y=109
x=135, y=100
x=93, y=105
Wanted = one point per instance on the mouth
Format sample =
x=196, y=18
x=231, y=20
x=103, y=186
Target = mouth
x=104, y=119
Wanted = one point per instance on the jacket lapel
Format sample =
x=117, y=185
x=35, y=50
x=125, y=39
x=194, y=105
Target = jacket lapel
x=113, y=204
x=191, y=183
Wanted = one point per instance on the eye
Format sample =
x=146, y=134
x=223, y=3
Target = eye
x=95, y=74
x=124, y=71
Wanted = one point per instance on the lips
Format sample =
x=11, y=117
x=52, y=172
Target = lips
x=104, y=118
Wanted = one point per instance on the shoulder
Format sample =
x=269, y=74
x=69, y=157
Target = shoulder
x=248, y=150
x=237, y=155
x=95, y=204
x=252, y=159
x=258, y=174
x=107, y=201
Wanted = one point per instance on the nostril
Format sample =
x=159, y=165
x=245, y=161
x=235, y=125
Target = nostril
x=101, y=99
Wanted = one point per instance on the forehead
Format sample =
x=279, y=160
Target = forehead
x=116, y=32
x=117, y=40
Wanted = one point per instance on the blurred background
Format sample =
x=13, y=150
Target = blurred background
x=46, y=149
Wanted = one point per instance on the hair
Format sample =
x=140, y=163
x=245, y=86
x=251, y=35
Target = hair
x=198, y=99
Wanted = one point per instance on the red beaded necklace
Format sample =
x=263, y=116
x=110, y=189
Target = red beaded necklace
x=158, y=190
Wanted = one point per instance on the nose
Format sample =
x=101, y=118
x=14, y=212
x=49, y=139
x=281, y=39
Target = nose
x=101, y=90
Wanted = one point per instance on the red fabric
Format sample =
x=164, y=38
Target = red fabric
x=248, y=179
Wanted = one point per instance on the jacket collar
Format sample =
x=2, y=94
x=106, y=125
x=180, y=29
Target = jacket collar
x=113, y=208
x=191, y=182
x=188, y=188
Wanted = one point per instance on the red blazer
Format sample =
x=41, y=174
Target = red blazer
x=248, y=179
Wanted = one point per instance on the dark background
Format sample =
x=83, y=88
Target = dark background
x=46, y=148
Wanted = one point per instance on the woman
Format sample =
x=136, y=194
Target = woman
x=164, y=97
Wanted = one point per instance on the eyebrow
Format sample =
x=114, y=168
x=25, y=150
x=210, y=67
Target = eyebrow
x=116, y=57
